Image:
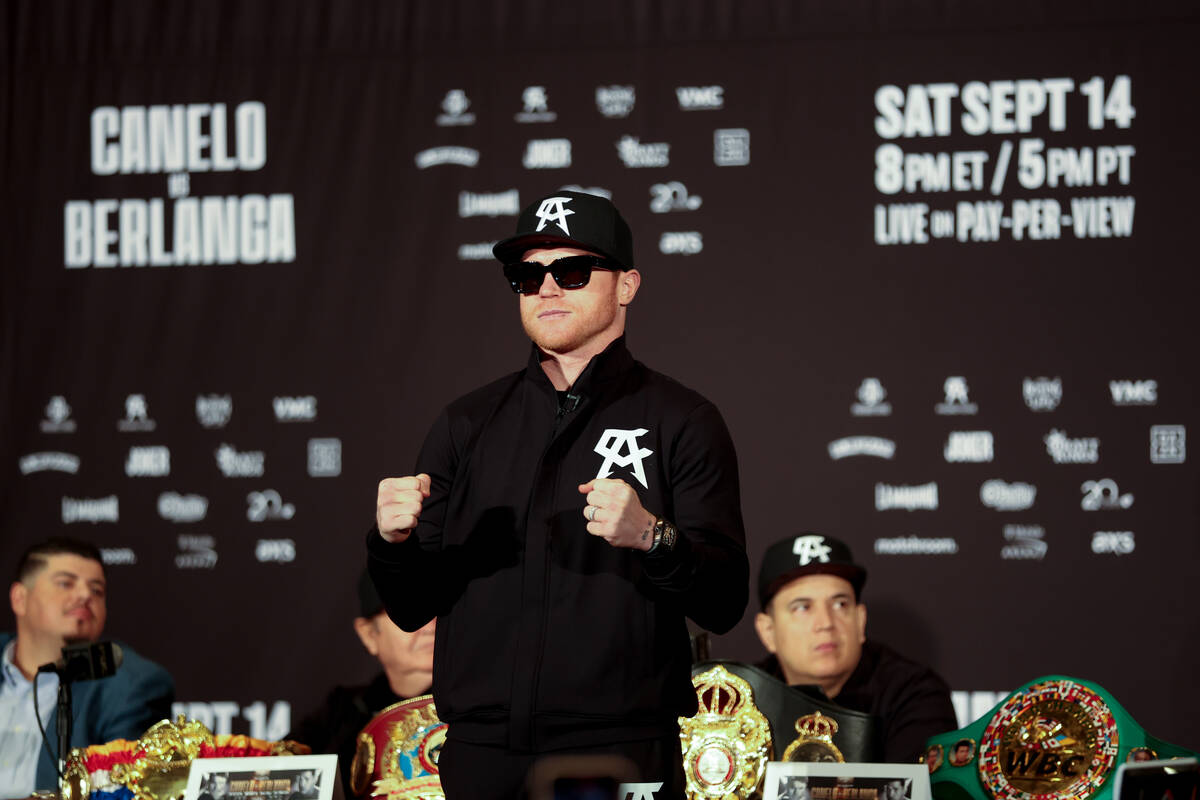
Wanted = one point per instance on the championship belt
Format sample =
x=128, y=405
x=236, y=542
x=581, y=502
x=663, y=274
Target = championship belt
x=156, y=766
x=727, y=743
x=793, y=716
x=1055, y=738
x=396, y=754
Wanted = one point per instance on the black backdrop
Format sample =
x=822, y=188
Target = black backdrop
x=817, y=248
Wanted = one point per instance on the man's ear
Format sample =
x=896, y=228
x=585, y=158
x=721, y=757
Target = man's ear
x=368, y=634
x=764, y=626
x=628, y=283
x=862, y=622
x=17, y=595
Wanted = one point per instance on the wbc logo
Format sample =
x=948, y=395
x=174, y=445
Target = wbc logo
x=612, y=442
x=552, y=210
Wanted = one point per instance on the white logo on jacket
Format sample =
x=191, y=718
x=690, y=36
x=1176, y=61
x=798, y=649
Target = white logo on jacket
x=612, y=441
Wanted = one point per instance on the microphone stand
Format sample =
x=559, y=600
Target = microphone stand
x=64, y=722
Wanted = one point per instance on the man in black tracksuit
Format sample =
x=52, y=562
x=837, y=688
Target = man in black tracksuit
x=567, y=518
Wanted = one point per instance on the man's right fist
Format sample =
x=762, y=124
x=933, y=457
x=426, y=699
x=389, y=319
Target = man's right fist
x=399, y=505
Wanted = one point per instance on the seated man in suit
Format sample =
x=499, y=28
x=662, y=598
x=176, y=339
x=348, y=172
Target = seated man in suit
x=58, y=598
x=815, y=627
x=407, y=661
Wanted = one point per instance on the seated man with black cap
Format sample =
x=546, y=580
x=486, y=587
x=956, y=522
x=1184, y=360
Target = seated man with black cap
x=407, y=661
x=814, y=625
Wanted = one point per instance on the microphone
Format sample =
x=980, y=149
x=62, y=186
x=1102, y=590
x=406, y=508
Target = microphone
x=86, y=662
x=571, y=403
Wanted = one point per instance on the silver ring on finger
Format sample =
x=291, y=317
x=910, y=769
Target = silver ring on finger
x=592, y=513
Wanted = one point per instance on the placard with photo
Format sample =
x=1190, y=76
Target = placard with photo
x=822, y=780
x=264, y=778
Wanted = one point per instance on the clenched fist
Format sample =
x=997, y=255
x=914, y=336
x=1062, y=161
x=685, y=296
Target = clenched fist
x=398, y=506
x=615, y=514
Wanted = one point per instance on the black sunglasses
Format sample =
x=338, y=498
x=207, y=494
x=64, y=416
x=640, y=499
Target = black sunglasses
x=571, y=272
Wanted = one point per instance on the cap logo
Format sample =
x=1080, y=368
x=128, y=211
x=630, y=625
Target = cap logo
x=552, y=210
x=810, y=549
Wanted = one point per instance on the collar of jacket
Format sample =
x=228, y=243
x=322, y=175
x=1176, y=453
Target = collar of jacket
x=613, y=361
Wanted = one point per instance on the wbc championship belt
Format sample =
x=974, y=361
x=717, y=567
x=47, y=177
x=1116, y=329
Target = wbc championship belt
x=1055, y=738
x=396, y=754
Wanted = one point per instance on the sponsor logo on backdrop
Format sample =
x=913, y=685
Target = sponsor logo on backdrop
x=1042, y=394
x=681, y=243
x=148, y=462
x=672, y=196
x=1103, y=495
x=100, y=509
x=1118, y=543
x=324, y=458
x=969, y=446
x=1134, y=393
x=49, y=462
x=441, y=156
x=1168, y=444
x=861, y=446
x=615, y=102
x=972, y=705
x=1024, y=543
x=179, y=141
x=118, y=556
x=1065, y=450
x=635, y=154
x=731, y=147
x=178, y=507
x=277, y=551
x=268, y=505
x=476, y=251
x=454, y=110
x=536, y=106
x=871, y=403
x=495, y=204
x=956, y=401
x=196, y=552
x=218, y=717
x=916, y=546
x=295, y=409
x=137, y=415
x=58, y=416
x=908, y=498
x=700, y=98
x=599, y=191
x=547, y=154
x=214, y=410
x=250, y=464
x=1004, y=496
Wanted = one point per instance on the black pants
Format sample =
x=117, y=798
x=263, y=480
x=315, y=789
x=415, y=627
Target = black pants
x=475, y=772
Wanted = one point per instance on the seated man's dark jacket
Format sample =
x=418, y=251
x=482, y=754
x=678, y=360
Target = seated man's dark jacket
x=334, y=727
x=911, y=700
x=119, y=707
x=548, y=637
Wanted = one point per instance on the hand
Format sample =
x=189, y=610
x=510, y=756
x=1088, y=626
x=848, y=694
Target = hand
x=615, y=514
x=398, y=506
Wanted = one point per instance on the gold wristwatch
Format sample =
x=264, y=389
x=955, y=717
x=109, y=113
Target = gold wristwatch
x=664, y=537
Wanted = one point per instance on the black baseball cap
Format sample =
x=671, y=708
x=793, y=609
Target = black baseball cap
x=570, y=219
x=369, y=603
x=807, y=554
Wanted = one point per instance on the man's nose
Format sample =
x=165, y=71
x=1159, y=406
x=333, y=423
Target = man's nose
x=822, y=618
x=549, y=287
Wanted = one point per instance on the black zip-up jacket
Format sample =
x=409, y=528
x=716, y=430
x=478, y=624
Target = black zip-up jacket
x=549, y=637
